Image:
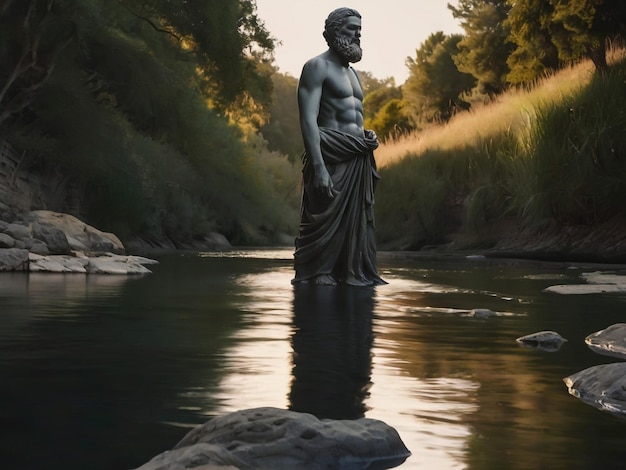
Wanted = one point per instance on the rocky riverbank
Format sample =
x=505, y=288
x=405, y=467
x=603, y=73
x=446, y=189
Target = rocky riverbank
x=54, y=242
x=508, y=238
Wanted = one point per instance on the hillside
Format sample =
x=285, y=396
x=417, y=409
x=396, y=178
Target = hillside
x=538, y=173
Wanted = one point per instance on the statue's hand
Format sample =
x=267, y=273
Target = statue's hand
x=371, y=135
x=322, y=182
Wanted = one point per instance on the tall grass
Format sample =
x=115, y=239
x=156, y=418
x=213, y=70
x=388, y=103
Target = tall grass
x=508, y=113
x=556, y=154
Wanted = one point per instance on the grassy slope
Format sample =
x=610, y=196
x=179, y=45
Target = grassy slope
x=551, y=159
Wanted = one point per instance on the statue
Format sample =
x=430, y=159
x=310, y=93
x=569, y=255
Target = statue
x=336, y=243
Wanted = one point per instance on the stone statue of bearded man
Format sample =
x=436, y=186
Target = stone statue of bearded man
x=335, y=243
x=349, y=49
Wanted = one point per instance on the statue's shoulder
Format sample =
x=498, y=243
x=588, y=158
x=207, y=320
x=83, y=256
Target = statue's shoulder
x=316, y=69
x=317, y=62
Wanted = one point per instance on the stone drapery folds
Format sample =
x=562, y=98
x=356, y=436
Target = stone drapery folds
x=336, y=235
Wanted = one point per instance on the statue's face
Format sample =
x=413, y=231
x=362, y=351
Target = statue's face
x=347, y=42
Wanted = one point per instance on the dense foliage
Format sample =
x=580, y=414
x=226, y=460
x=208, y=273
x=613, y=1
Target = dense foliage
x=505, y=43
x=435, y=87
x=485, y=47
x=563, y=166
x=148, y=111
x=282, y=131
x=167, y=119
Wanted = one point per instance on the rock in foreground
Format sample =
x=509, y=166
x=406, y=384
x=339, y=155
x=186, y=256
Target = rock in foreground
x=610, y=341
x=275, y=439
x=603, y=387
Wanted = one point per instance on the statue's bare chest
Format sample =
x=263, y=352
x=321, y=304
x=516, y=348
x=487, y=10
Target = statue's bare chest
x=343, y=83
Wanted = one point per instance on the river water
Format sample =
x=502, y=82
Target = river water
x=104, y=372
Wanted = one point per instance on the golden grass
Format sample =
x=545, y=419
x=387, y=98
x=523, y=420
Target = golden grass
x=511, y=112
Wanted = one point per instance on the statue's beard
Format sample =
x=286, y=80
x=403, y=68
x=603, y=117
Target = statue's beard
x=349, y=50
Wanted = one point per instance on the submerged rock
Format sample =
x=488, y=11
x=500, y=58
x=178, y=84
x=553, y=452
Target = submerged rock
x=549, y=341
x=602, y=386
x=274, y=439
x=610, y=341
x=596, y=283
x=482, y=313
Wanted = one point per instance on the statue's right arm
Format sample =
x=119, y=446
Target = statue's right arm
x=310, y=90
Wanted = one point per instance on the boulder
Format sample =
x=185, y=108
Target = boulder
x=18, y=231
x=13, y=259
x=79, y=235
x=107, y=263
x=110, y=263
x=54, y=238
x=57, y=264
x=274, y=439
x=6, y=241
x=36, y=246
x=602, y=386
x=60, y=243
x=217, y=242
x=610, y=341
x=549, y=341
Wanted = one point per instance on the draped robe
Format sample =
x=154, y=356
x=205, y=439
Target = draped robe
x=336, y=235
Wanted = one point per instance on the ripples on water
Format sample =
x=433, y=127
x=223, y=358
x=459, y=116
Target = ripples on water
x=104, y=358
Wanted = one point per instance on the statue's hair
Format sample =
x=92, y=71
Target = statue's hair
x=335, y=20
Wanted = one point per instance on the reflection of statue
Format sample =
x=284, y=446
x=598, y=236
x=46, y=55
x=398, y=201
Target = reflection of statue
x=336, y=238
x=331, y=351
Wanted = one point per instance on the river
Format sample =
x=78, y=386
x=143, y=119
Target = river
x=104, y=372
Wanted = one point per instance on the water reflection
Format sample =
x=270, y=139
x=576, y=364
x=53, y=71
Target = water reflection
x=83, y=359
x=332, y=343
x=26, y=296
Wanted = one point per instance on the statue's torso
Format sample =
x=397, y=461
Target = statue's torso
x=341, y=104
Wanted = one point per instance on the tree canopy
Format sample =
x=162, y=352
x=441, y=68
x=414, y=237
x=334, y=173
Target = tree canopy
x=485, y=47
x=141, y=106
x=435, y=88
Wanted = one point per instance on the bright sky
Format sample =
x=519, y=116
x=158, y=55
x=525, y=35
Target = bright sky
x=392, y=31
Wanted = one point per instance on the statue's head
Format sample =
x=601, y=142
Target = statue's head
x=347, y=48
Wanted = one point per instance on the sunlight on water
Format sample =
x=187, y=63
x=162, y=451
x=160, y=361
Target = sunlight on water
x=427, y=412
x=259, y=363
x=140, y=360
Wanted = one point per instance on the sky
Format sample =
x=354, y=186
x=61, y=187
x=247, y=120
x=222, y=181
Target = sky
x=391, y=31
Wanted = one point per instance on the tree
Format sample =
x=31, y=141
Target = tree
x=374, y=101
x=582, y=27
x=535, y=53
x=283, y=129
x=485, y=47
x=435, y=87
x=391, y=120
x=225, y=39
x=369, y=83
x=384, y=112
x=549, y=33
x=32, y=35
x=129, y=106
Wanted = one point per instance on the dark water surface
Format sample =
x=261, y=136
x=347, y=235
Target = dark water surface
x=104, y=372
